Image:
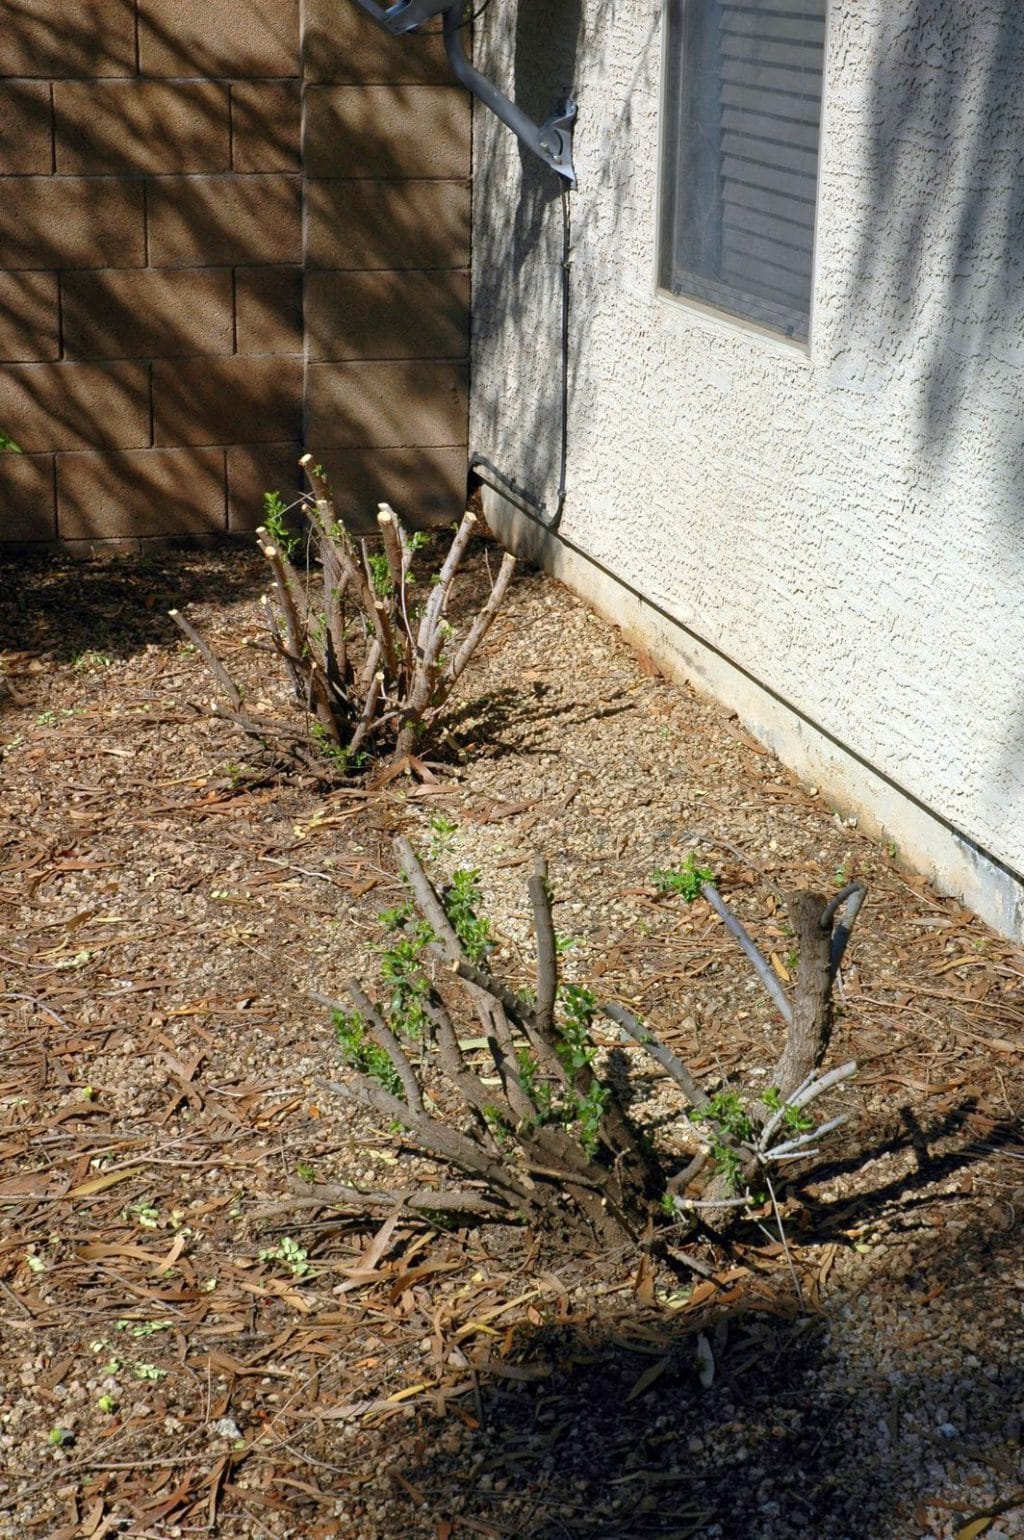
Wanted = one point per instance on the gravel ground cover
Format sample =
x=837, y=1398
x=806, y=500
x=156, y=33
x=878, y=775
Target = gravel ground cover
x=185, y=1349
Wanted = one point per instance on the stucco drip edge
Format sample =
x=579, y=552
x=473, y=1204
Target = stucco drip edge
x=953, y=862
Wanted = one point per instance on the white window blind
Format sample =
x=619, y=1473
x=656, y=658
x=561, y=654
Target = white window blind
x=740, y=168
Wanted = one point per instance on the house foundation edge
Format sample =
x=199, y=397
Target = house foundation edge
x=948, y=858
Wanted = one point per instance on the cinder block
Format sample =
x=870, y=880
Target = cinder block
x=148, y=313
x=268, y=310
x=29, y=317
x=386, y=131
x=266, y=125
x=254, y=469
x=388, y=405
x=426, y=486
x=71, y=222
x=368, y=224
x=47, y=38
x=141, y=126
x=27, y=500
x=341, y=44
x=232, y=38
x=75, y=406
x=228, y=401
x=387, y=315
x=149, y=492
x=225, y=220
x=26, y=128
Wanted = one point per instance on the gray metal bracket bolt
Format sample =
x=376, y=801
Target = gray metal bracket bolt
x=551, y=141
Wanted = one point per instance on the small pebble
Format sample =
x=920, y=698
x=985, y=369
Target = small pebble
x=226, y=1427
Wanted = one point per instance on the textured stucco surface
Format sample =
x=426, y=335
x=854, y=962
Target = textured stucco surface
x=844, y=521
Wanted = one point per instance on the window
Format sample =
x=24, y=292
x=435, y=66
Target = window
x=740, y=160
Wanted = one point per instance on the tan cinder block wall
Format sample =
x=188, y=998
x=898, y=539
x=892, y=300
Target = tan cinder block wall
x=386, y=154
x=229, y=229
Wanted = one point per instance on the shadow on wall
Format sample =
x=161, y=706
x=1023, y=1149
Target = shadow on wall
x=150, y=307
x=941, y=266
x=518, y=242
x=924, y=307
x=940, y=272
x=547, y=46
x=153, y=262
x=518, y=258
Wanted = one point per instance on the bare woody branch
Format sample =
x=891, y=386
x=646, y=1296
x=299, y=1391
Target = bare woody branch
x=548, y=1135
x=371, y=682
x=849, y=901
x=812, y=918
x=547, y=951
x=210, y=658
x=429, y=1200
x=386, y=1039
x=482, y=623
x=672, y=1066
x=761, y=967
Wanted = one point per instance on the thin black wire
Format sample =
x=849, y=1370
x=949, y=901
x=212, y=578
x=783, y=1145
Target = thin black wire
x=536, y=511
x=469, y=20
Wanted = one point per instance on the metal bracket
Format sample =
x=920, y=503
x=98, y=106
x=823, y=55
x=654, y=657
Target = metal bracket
x=406, y=16
x=550, y=140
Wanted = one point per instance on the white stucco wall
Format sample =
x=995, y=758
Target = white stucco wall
x=846, y=521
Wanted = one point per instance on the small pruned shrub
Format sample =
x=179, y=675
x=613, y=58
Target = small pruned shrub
x=369, y=650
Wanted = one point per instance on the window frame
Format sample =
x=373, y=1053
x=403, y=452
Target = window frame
x=706, y=306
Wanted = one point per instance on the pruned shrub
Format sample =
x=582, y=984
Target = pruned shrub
x=526, y=1109
x=368, y=646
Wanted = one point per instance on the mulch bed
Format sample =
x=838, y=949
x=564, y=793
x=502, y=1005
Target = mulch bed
x=183, y=1353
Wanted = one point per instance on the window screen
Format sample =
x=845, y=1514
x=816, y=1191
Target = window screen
x=740, y=171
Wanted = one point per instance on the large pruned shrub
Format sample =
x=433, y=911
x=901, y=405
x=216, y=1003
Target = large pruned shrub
x=525, y=1108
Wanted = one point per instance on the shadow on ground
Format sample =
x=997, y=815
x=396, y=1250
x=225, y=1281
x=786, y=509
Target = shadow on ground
x=64, y=608
x=864, y=1409
x=835, y=1425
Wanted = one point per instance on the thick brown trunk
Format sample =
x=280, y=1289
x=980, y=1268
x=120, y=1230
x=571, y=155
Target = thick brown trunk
x=811, y=1030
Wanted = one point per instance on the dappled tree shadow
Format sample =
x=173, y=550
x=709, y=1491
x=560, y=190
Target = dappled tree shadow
x=518, y=260
x=945, y=1145
x=940, y=266
x=156, y=291
x=167, y=286
x=919, y=315
x=498, y=723
x=64, y=607
x=934, y=306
